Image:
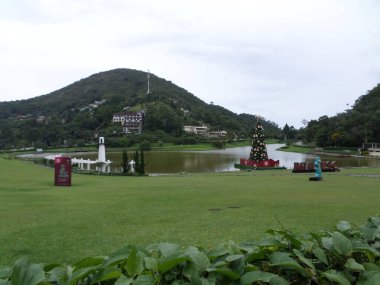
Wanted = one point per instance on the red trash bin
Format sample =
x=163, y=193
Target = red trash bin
x=62, y=166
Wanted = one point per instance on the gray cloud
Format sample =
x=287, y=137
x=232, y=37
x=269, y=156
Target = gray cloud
x=286, y=60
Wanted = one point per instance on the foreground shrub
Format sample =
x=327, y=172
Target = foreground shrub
x=345, y=256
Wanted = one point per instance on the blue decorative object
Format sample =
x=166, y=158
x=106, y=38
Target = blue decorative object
x=317, y=167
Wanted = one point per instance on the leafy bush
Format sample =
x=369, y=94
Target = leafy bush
x=186, y=140
x=145, y=145
x=343, y=256
x=218, y=144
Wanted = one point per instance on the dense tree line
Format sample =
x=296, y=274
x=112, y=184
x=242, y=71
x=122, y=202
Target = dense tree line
x=353, y=127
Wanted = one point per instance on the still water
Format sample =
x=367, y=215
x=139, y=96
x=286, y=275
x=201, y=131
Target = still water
x=223, y=159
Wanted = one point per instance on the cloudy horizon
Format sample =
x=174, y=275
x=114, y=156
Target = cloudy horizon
x=285, y=60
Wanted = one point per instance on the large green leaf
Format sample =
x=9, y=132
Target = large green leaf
x=320, y=254
x=225, y=272
x=278, y=280
x=124, y=280
x=305, y=260
x=371, y=278
x=260, y=254
x=233, y=248
x=5, y=271
x=151, y=264
x=375, y=221
x=359, y=246
x=284, y=260
x=58, y=273
x=135, y=263
x=88, y=262
x=237, y=265
x=343, y=226
x=222, y=249
x=171, y=261
x=327, y=243
x=353, y=266
x=272, y=244
x=205, y=281
x=5, y=282
x=234, y=257
x=370, y=266
x=341, y=243
x=105, y=274
x=289, y=236
x=256, y=276
x=118, y=256
x=144, y=280
x=337, y=277
x=182, y=282
x=26, y=273
x=81, y=274
x=218, y=251
x=167, y=249
x=199, y=259
x=368, y=231
x=192, y=274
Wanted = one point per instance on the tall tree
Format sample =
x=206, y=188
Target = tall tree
x=139, y=161
x=136, y=157
x=142, y=162
x=258, y=150
x=125, y=162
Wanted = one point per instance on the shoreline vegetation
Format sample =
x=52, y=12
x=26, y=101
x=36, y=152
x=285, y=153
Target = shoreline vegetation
x=288, y=147
x=330, y=151
x=153, y=147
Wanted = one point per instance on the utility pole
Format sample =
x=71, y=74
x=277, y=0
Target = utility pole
x=148, y=77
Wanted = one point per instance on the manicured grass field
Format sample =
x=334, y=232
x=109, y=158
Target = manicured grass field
x=298, y=149
x=100, y=214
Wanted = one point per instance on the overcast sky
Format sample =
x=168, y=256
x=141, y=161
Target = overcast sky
x=286, y=60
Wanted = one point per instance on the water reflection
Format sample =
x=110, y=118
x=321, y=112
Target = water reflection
x=224, y=159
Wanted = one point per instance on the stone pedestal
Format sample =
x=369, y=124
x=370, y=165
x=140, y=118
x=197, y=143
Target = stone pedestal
x=315, y=178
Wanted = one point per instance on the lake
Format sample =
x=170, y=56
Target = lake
x=222, y=159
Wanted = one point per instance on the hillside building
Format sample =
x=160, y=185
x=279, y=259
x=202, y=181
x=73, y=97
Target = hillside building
x=217, y=134
x=131, y=122
x=203, y=131
x=198, y=130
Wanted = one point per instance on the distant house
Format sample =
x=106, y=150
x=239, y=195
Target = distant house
x=185, y=112
x=217, y=134
x=40, y=119
x=92, y=106
x=198, y=130
x=131, y=122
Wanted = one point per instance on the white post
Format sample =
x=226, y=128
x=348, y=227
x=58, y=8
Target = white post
x=132, y=164
x=148, y=83
x=102, y=150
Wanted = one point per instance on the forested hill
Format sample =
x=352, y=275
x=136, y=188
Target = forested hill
x=85, y=108
x=355, y=126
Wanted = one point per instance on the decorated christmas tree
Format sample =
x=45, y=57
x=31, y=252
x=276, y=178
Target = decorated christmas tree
x=258, y=150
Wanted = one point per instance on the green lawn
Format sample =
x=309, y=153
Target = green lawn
x=298, y=149
x=100, y=214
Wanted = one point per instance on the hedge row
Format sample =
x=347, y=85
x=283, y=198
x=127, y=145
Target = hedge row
x=347, y=255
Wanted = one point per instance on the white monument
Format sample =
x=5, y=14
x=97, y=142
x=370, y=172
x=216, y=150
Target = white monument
x=102, y=150
x=101, y=164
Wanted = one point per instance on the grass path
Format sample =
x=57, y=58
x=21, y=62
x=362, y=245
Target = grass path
x=100, y=214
